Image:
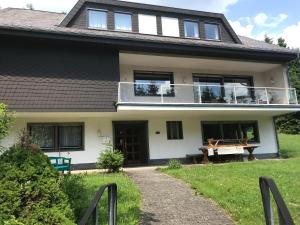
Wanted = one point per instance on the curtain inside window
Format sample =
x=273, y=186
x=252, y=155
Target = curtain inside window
x=70, y=137
x=43, y=136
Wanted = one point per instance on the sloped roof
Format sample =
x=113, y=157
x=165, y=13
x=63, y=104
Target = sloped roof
x=12, y=19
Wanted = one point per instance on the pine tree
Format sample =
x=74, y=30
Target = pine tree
x=281, y=42
x=268, y=39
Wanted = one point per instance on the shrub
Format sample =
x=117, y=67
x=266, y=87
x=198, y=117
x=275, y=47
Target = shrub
x=110, y=159
x=174, y=164
x=30, y=190
x=74, y=187
x=6, y=120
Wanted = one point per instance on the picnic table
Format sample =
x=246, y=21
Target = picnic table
x=214, y=146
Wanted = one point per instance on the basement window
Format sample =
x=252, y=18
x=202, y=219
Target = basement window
x=174, y=130
x=97, y=19
x=52, y=137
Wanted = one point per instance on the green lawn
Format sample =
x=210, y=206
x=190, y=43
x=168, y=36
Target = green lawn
x=129, y=198
x=289, y=145
x=234, y=186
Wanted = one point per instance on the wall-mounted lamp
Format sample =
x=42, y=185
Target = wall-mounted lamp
x=99, y=133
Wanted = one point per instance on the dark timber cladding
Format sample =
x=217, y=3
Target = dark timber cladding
x=80, y=19
x=38, y=78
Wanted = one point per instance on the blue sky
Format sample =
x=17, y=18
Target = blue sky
x=252, y=18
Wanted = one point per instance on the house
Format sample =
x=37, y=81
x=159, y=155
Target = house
x=157, y=82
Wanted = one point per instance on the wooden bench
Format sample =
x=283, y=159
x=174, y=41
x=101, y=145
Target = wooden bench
x=61, y=163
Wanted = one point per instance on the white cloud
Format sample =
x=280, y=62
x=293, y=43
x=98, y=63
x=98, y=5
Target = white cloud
x=66, y=5
x=47, y=5
x=262, y=19
x=291, y=34
x=204, y=5
x=240, y=29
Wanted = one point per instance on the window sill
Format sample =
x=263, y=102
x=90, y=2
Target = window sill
x=62, y=150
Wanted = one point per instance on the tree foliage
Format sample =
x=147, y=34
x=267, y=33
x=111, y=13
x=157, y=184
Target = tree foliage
x=268, y=39
x=30, y=188
x=289, y=124
x=281, y=42
x=6, y=120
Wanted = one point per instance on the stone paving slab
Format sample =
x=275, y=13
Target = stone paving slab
x=169, y=201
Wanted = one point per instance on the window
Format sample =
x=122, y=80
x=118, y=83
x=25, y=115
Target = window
x=57, y=137
x=147, y=24
x=191, y=29
x=212, y=31
x=170, y=26
x=123, y=22
x=153, y=84
x=174, y=130
x=230, y=131
x=220, y=89
x=97, y=19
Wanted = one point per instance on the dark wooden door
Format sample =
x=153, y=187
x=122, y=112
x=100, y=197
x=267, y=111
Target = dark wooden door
x=131, y=139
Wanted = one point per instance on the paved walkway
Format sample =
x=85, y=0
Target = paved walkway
x=169, y=201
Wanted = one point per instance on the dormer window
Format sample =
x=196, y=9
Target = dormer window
x=97, y=19
x=191, y=29
x=170, y=26
x=123, y=22
x=147, y=24
x=212, y=31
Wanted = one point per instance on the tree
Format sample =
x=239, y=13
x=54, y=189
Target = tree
x=268, y=39
x=29, y=6
x=281, y=42
x=6, y=120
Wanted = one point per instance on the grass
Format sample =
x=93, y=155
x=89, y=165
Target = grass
x=234, y=186
x=129, y=198
x=289, y=145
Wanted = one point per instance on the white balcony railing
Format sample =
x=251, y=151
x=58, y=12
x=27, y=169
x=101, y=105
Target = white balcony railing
x=154, y=93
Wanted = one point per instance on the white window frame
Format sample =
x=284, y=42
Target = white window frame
x=153, y=28
x=169, y=24
x=88, y=18
x=219, y=31
x=126, y=13
x=198, y=29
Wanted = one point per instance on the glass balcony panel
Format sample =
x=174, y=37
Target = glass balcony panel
x=150, y=93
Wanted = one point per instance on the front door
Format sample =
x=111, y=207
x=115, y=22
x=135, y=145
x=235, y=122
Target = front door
x=131, y=139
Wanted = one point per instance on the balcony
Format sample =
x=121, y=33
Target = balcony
x=198, y=94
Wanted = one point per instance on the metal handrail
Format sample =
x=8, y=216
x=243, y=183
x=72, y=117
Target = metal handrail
x=93, y=209
x=206, y=85
x=267, y=185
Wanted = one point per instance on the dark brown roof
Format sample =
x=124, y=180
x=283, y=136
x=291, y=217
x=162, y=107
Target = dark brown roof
x=41, y=21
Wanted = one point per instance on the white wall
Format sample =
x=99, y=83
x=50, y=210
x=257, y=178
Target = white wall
x=160, y=147
x=93, y=143
x=185, y=94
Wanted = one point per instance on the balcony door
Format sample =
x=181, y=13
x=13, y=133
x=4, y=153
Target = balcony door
x=222, y=89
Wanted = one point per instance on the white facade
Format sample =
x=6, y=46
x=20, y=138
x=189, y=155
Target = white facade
x=99, y=130
x=98, y=127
